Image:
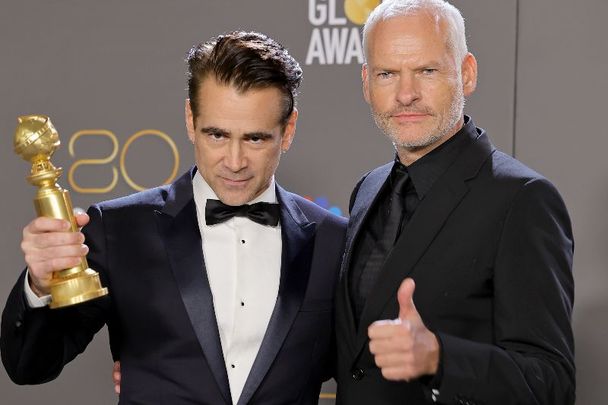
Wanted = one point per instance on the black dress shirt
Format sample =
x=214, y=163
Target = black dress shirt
x=423, y=173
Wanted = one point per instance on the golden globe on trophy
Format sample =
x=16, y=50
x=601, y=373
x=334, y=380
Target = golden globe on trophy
x=358, y=10
x=35, y=141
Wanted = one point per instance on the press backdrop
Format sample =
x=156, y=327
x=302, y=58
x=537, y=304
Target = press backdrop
x=111, y=75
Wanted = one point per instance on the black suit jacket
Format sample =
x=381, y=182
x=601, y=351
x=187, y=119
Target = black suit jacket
x=147, y=249
x=490, y=248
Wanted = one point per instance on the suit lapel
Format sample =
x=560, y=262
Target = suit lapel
x=365, y=199
x=421, y=229
x=298, y=238
x=179, y=229
x=369, y=191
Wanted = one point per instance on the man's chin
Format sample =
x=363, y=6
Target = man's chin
x=234, y=200
x=410, y=142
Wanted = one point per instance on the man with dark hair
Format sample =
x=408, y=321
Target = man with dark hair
x=457, y=280
x=221, y=283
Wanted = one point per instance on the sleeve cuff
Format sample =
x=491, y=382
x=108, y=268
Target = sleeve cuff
x=433, y=382
x=34, y=301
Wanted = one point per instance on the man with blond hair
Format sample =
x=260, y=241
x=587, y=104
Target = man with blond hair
x=457, y=280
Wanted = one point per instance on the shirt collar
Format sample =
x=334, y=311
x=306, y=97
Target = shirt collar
x=426, y=170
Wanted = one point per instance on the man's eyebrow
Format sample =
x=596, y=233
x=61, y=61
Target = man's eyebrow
x=215, y=131
x=382, y=69
x=258, y=134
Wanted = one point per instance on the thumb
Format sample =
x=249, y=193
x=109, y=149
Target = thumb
x=405, y=296
x=81, y=217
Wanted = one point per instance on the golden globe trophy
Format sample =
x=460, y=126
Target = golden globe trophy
x=35, y=141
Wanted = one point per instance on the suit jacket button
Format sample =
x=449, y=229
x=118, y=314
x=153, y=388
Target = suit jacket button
x=358, y=374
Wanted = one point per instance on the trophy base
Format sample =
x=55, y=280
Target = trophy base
x=84, y=286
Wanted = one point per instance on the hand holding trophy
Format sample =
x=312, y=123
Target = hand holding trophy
x=35, y=141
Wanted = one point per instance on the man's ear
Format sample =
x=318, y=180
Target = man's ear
x=290, y=131
x=189, y=120
x=469, y=74
x=365, y=82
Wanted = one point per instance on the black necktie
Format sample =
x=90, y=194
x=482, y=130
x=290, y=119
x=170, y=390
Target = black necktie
x=387, y=239
x=262, y=212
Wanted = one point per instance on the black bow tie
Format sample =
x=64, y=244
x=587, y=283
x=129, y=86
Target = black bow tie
x=262, y=212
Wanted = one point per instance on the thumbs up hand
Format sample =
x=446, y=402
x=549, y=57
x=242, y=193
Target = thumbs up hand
x=403, y=348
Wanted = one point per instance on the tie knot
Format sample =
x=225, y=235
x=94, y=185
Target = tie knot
x=399, y=179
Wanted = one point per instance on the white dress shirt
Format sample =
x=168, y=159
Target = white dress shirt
x=243, y=262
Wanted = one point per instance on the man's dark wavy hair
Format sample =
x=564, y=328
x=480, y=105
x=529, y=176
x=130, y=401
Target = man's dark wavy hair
x=244, y=60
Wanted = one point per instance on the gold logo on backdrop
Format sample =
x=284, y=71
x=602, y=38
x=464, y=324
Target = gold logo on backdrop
x=149, y=132
x=357, y=11
x=81, y=162
x=103, y=133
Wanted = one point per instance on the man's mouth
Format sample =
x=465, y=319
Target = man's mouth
x=234, y=182
x=409, y=116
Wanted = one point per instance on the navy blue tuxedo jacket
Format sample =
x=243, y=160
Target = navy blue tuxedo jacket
x=490, y=249
x=147, y=249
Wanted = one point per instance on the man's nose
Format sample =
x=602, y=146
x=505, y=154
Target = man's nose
x=408, y=91
x=235, y=159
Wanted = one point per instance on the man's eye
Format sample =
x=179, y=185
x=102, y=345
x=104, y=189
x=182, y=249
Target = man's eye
x=385, y=75
x=429, y=71
x=258, y=139
x=216, y=137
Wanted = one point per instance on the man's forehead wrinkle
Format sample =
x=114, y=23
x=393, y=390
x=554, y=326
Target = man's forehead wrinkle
x=408, y=45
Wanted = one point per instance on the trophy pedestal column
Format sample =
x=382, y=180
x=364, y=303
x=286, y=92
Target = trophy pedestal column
x=77, y=284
